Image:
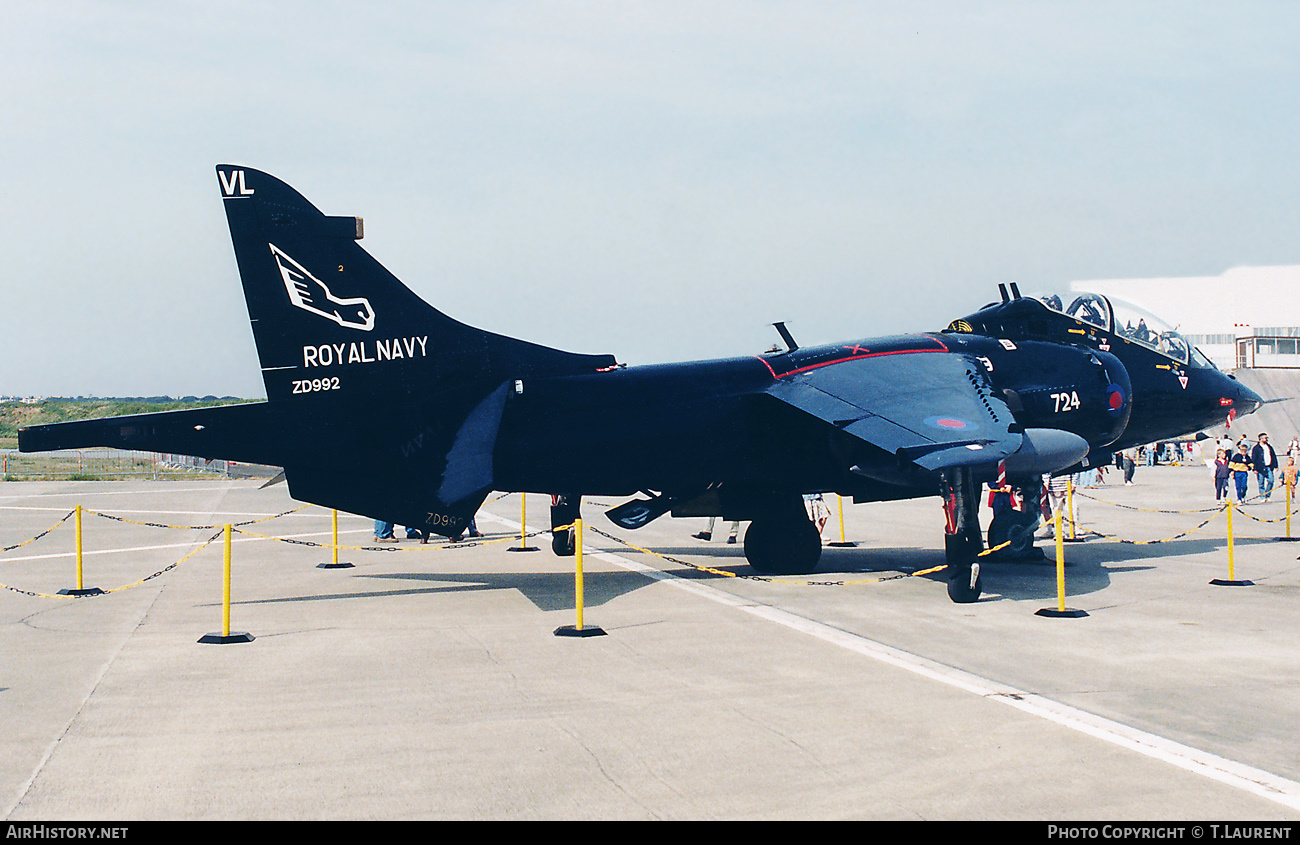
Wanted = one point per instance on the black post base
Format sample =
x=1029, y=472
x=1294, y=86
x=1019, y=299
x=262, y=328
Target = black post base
x=574, y=631
x=222, y=639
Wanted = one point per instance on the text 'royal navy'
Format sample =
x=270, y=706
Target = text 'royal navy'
x=365, y=352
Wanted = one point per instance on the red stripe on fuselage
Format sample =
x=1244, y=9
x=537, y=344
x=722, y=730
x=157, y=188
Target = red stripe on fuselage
x=820, y=364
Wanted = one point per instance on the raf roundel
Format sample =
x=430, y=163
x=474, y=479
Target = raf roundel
x=950, y=423
x=1115, y=400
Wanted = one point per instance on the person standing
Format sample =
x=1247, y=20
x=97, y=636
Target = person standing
x=1060, y=500
x=472, y=528
x=384, y=532
x=1221, y=473
x=707, y=533
x=1239, y=466
x=1263, y=459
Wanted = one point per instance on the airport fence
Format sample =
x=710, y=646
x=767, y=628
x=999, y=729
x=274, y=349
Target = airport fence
x=104, y=465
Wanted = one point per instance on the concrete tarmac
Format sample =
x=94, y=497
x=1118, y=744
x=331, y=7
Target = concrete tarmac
x=426, y=682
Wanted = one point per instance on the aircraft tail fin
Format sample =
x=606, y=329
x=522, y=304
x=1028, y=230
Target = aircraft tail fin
x=378, y=403
x=328, y=317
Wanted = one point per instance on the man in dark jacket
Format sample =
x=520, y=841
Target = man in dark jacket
x=1263, y=460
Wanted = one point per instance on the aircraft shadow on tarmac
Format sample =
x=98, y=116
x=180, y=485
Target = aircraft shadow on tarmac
x=1089, y=566
x=546, y=590
x=1017, y=580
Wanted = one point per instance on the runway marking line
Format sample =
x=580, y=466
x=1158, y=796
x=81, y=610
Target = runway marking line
x=1247, y=778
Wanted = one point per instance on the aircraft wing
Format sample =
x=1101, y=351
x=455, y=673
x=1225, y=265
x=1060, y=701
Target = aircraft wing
x=936, y=410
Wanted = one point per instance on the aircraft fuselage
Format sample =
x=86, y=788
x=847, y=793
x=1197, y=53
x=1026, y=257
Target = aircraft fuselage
x=681, y=427
x=380, y=404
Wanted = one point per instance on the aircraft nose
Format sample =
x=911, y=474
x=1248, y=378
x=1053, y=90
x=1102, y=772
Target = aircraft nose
x=1244, y=400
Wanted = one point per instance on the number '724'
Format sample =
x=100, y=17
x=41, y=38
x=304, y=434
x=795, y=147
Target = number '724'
x=1066, y=401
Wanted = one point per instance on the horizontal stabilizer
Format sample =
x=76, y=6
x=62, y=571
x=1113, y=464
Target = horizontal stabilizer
x=243, y=433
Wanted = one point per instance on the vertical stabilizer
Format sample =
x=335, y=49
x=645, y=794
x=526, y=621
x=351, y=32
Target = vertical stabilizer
x=327, y=317
x=388, y=407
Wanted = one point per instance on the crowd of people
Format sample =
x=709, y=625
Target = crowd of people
x=1234, y=463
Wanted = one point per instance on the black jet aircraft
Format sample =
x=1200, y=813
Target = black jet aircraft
x=378, y=404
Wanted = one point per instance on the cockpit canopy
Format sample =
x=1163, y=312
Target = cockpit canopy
x=1128, y=321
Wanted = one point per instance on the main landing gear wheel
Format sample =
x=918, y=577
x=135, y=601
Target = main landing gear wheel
x=565, y=511
x=780, y=544
x=1016, y=527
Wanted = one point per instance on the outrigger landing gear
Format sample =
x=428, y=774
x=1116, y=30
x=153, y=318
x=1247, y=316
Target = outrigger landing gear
x=782, y=540
x=962, y=542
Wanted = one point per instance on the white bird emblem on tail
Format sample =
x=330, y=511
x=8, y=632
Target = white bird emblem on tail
x=311, y=294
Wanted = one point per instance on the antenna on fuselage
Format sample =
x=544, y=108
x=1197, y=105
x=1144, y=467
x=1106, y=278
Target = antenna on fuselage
x=1015, y=291
x=785, y=335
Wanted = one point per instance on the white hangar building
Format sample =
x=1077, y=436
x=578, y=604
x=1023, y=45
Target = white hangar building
x=1246, y=317
x=1246, y=320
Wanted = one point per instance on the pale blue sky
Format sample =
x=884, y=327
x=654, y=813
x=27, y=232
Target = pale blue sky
x=657, y=180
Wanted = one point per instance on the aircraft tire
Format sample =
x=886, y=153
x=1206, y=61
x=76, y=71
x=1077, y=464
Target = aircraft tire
x=783, y=546
x=564, y=510
x=1016, y=527
x=959, y=584
x=564, y=543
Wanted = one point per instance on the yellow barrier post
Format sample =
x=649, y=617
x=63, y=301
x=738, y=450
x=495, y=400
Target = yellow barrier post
x=1060, y=568
x=1069, y=509
x=334, y=564
x=843, y=544
x=79, y=569
x=1060, y=611
x=1288, y=538
x=580, y=629
x=80, y=589
x=225, y=636
x=523, y=527
x=1231, y=580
